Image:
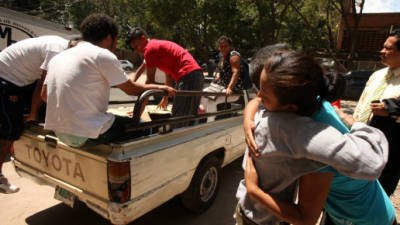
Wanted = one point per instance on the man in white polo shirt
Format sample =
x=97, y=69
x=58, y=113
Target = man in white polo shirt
x=78, y=84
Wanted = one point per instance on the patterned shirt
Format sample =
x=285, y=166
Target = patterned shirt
x=225, y=75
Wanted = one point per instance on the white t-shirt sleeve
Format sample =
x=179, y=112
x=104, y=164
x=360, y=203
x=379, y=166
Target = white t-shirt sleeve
x=49, y=55
x=111, y=69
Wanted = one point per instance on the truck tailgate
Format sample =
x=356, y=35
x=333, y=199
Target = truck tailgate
x=75, y=167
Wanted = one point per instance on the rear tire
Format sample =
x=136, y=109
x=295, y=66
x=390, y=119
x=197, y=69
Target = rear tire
x=203, y=187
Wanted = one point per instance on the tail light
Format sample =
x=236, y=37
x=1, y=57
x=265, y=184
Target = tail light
x=119, y=181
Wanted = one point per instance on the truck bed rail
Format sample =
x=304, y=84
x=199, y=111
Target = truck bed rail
x=144, y=98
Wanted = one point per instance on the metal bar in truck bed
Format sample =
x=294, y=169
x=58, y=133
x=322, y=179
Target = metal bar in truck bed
x=143, y=99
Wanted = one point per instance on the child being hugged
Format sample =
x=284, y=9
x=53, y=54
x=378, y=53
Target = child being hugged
x=294, y=150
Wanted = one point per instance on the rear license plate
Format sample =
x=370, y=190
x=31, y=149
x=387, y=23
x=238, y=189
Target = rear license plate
x=65, y=196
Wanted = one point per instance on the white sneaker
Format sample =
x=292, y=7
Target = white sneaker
x=6, y=187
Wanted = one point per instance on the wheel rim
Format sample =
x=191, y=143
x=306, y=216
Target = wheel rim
x=208, y=184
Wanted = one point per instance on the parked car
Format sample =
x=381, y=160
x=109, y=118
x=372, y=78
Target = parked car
x=355, y=83
x=126, y=65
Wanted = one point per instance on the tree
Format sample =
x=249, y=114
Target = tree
x=195, y=25
x=349, y=13
x=25, y=6
x=308, y=25
x=319, y=19
x=271, y=16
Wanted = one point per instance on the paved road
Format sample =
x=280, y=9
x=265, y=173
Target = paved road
x=35, y=205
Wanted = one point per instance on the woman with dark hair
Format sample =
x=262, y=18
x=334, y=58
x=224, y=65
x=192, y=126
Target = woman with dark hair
x=233, y=77
x=294, y=147
x=334, y=81
x=232, y=68
x=258, y=60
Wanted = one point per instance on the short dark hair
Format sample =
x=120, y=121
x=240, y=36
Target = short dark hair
x=260, y=57
x=225, y=38
x=135, y=33
x=296, y=79
x=96, y=27
x=396, y=33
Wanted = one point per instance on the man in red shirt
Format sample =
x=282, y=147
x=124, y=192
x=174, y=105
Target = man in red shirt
x=176, y=62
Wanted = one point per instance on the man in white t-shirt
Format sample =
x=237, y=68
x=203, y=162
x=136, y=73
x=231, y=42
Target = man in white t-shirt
x=78, y=84
x=21, y=65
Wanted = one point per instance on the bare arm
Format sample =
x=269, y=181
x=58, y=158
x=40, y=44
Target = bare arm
x=313, y=191
x=43, y=93
x=36, y=99
x=168, y=80
x=151, y=74
x=249, y=126
x=139, y=72
x=235, y=67
x=347, y=119
x=164, y=101
x=133, y=88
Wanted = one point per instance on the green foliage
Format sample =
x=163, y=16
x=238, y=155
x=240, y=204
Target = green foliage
x=197, y=24
x=21, y=5
x=79, y=10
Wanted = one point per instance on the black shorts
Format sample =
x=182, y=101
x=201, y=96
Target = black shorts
x=12, y=105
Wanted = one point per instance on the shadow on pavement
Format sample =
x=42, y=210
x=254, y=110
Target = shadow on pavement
x=62, y=214
x=170, y=213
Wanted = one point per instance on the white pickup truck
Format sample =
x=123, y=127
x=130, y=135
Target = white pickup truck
x=123, y=181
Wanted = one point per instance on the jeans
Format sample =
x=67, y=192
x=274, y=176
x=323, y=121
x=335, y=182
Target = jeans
x=188, y=105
